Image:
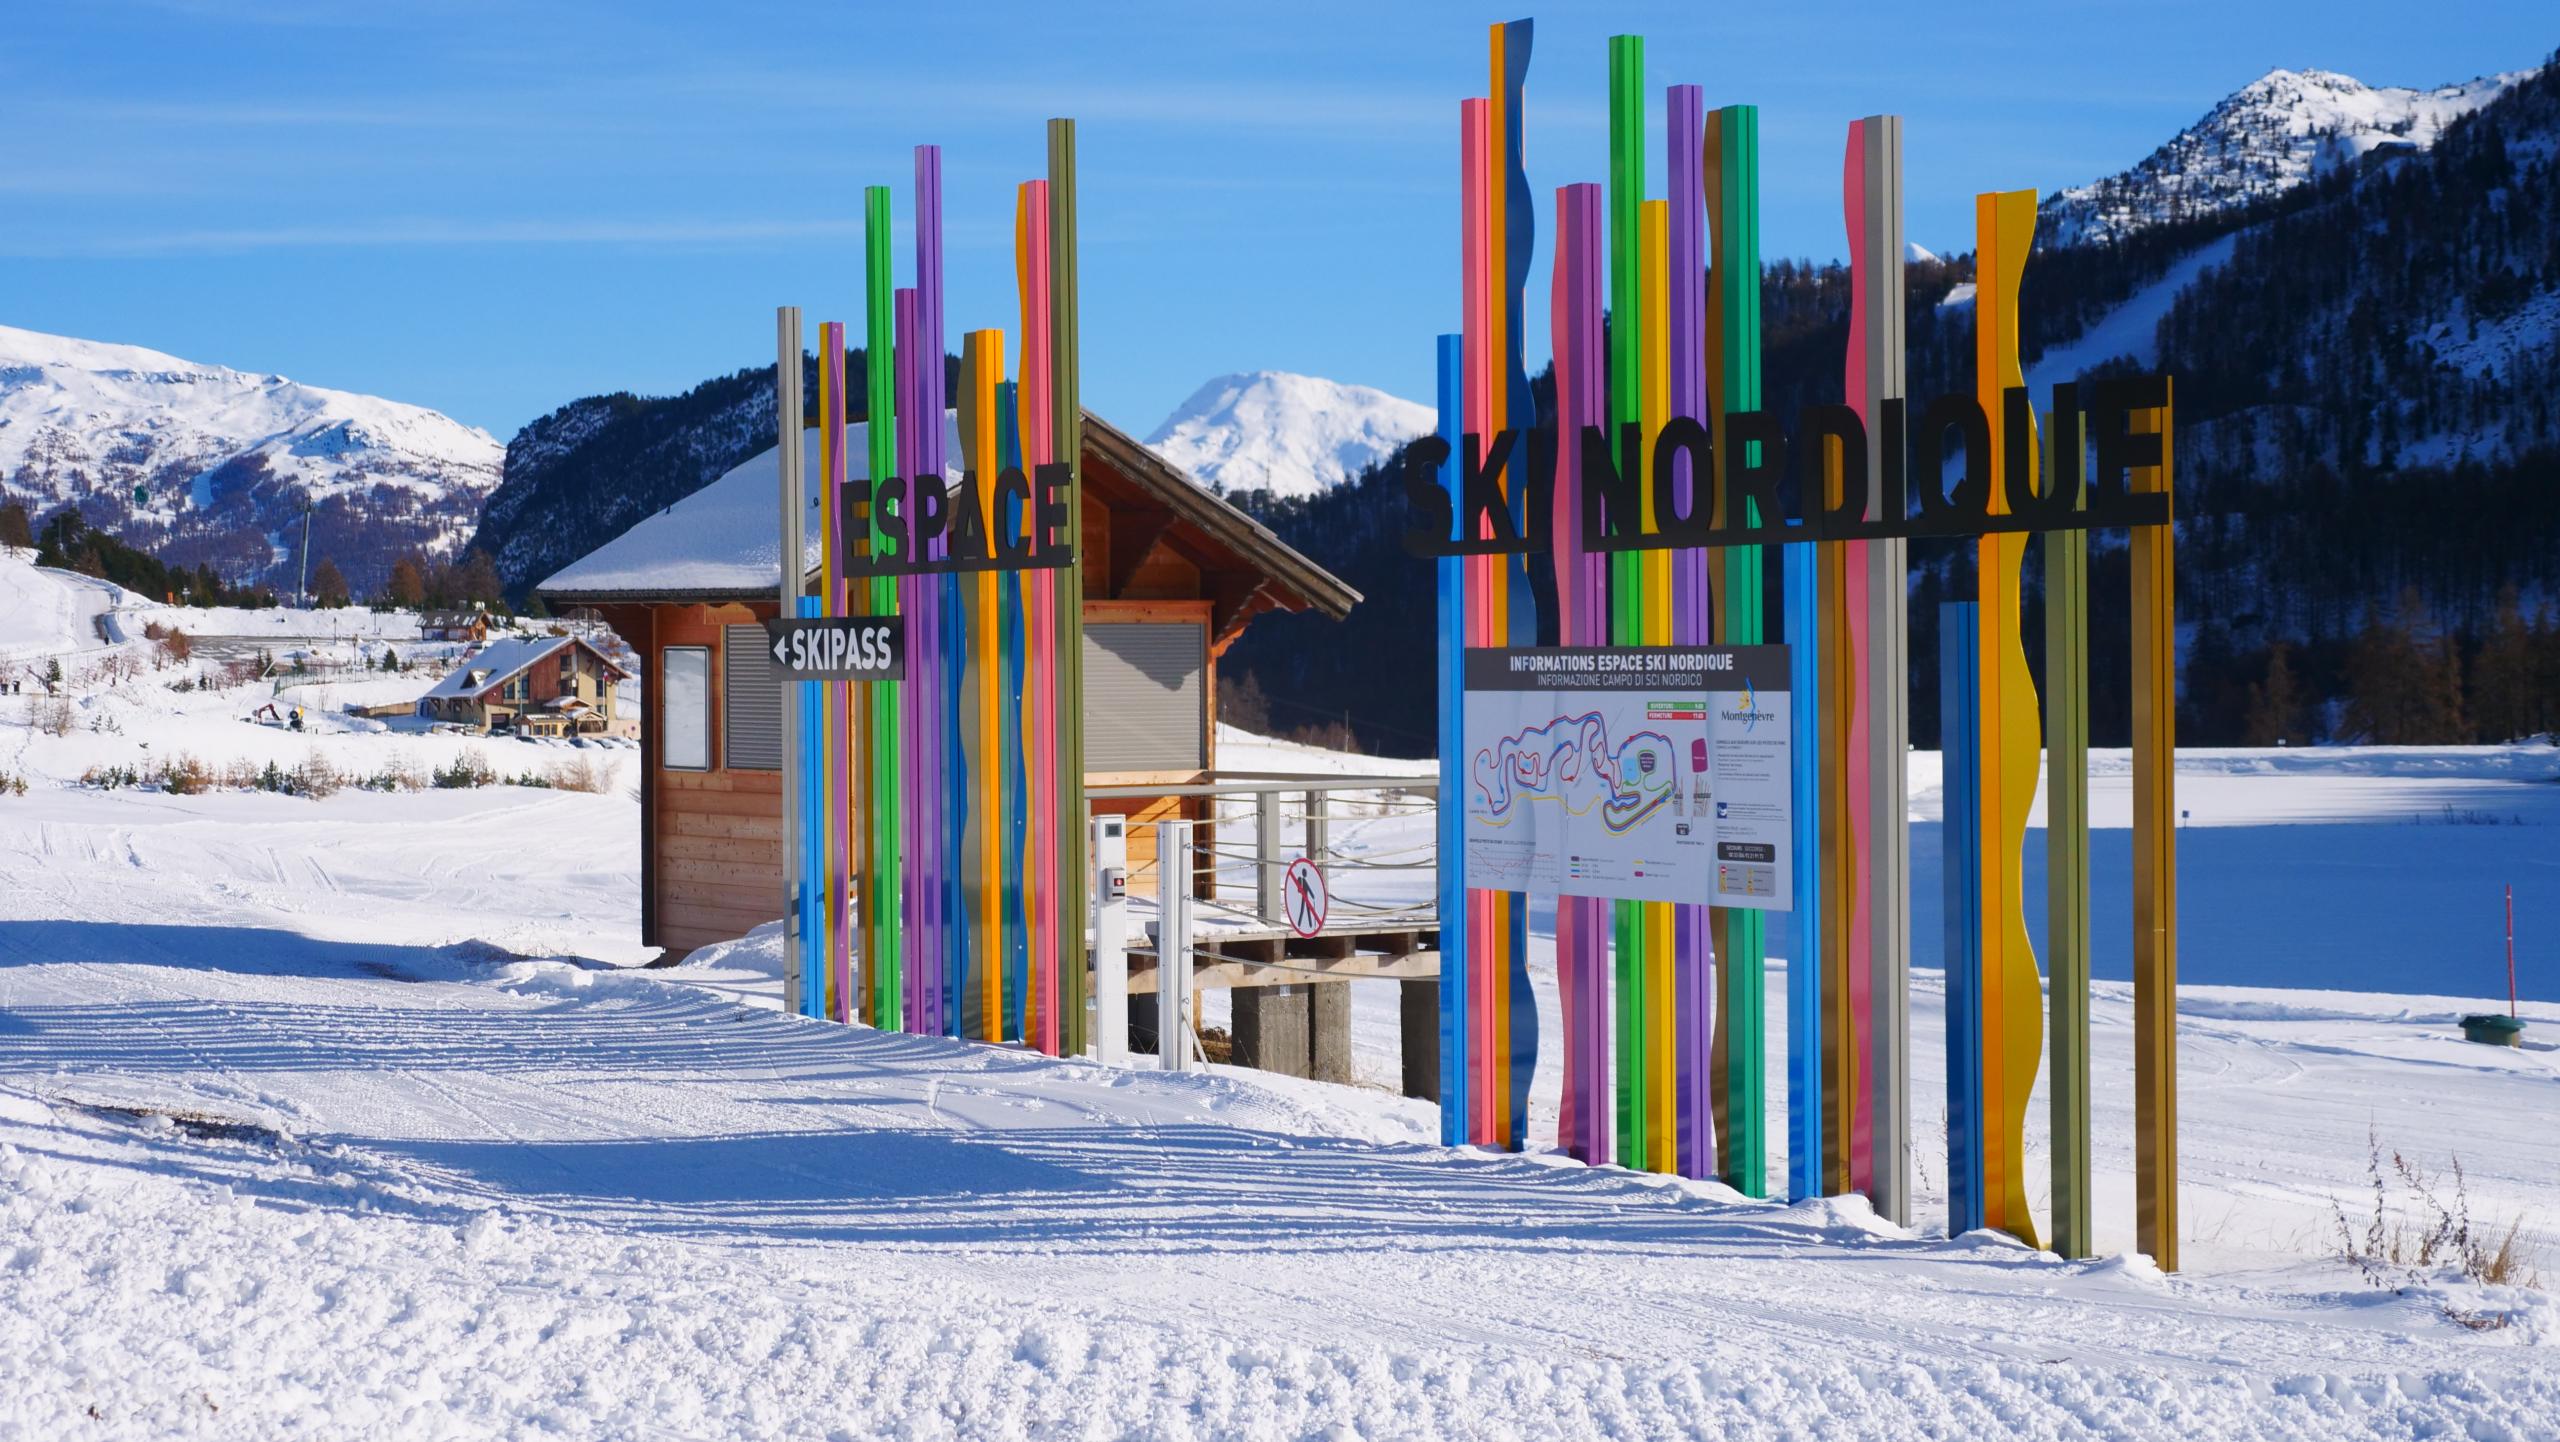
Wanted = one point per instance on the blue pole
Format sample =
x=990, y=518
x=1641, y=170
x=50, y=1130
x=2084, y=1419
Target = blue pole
x=1453, y=810
x=1804, y=925
x=1960, y=862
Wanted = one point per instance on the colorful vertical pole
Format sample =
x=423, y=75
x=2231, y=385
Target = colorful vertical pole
x=1511, y=240
x=1733, y=381
x=945, y=623
x=1014, y=850
x=2155, y=847
x=1488, y=912
x=1806, y=948
x=1582, y=600
x=2066, y=835
x=1456, y=946
x=1685, y=322
x=1959, y=730
x=1626, y=589
x=915, y=600
x=1846, y=821
x=1040, y=633
x=1661, y=1092
x=838, y=783
x=809, y=697
x=981, y=429
x=792, y=499
x=1881, y=932
x=1067, y=419
x=883, y=886
x=2012, y=736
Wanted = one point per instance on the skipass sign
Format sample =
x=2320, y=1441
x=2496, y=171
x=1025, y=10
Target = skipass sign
x=839, y=648
x=1632, y=773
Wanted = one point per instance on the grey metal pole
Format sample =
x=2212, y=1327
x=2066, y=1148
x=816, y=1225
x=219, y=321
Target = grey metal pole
x=793, y=500
x=1173, y=945
x=1889, y=692
x=1268, y=902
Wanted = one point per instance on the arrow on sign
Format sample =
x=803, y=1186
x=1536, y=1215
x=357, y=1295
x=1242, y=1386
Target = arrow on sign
x=840, y=648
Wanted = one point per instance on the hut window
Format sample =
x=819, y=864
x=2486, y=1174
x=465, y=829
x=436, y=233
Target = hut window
x=750, y=703
x=685, y=709
x=1145, y=696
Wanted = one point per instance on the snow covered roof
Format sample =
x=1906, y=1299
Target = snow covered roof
x=492, y=664
x=719, y=542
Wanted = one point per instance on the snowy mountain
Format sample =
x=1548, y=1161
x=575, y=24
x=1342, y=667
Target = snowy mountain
x=2280, y=131
x=227, y=461
x=1291, y=435
x=600, y=465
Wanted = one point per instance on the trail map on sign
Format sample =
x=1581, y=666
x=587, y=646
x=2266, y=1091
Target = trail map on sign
x=1655, y=773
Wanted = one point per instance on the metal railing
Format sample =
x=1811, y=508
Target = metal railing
x=1374, y=836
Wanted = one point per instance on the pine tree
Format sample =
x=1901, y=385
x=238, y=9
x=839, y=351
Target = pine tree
x=2503, y=699
x=15, y=529
x=476, y=579
x=2448, y=717
x=2388, y=678
x=327, y=586
x=408, y=583
x=2275, y=704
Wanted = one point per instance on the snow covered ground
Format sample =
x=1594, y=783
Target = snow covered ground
x=353, y=1117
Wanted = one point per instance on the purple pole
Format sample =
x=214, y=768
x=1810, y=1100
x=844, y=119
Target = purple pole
x=942, y=704
x=1694, y=949
x=920, y=775
x=1581, y=922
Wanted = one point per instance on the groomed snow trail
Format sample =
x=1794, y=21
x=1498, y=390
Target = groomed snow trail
x=291, y=1159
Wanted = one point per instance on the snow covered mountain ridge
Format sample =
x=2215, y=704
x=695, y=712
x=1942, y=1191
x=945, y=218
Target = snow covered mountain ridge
x=225, y=460
x=2282, y=130
x=1292, y=435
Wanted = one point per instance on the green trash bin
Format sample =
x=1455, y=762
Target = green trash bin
x=2492, y=1030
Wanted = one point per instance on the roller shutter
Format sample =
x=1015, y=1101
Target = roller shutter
x=750, y=703
x=1145, y=696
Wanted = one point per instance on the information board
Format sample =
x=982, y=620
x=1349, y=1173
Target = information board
x=1636, y=773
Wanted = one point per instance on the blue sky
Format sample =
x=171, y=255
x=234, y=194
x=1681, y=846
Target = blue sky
x=494, y=208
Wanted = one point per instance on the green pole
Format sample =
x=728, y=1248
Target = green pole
x=1067, y=408
x=881, y=888
x=1737, y=274
x=1626, y=574
x=2066, y=837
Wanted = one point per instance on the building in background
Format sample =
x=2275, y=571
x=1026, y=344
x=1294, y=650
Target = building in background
x=530, y=686
x=1173, y=575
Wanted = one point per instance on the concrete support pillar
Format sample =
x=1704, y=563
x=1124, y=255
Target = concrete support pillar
x=1419, y=1012
x=1329, y=1032
x=1271, y=1028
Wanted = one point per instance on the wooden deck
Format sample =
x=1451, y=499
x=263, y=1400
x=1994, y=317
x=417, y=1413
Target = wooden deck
x=1237, y=949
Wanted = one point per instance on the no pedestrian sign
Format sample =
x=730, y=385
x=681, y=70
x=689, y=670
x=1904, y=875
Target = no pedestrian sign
x=1307, y=896
x=857, y=648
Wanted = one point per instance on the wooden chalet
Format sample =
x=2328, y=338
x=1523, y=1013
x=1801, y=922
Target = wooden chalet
x=458, y=625
x=1173, y=575
x=529, y=685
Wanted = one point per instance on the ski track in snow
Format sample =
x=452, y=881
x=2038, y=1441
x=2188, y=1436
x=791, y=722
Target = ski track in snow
x=443, y=1164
